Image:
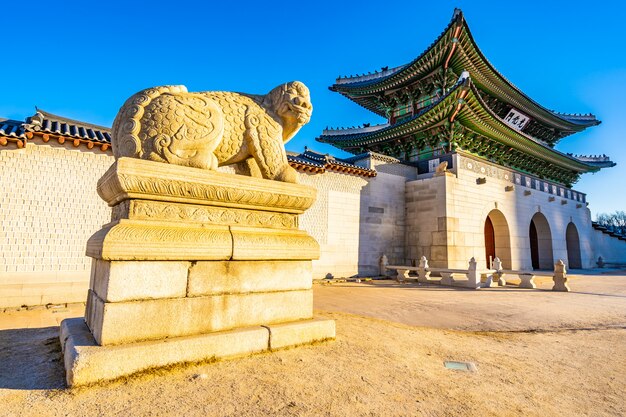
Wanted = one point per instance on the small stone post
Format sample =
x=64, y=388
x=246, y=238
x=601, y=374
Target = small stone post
x=472, y=274
x=423, y=275
x=560, y=277
x=600, y=262
x=382, y=265
x=498, y=276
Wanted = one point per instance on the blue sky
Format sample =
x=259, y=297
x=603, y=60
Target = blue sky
x=83, y=59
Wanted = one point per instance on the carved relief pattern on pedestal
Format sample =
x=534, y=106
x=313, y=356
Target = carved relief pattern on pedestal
x=146, y=210
x=174, y=188
x=147, y=234
x=120, y=211
x=253, y=245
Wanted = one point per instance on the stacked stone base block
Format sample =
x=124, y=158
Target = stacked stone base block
x=194, y=265
x=86, y=362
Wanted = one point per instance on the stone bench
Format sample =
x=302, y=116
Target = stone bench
x=484, y=278
x=527, y=278
x=402, y=272
x=466, y=278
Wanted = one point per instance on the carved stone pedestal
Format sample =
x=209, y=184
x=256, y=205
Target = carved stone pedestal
x=195, y=265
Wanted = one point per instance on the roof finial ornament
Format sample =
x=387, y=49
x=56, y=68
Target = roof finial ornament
x=37, y=118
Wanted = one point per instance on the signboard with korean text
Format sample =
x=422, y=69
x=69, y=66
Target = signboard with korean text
x=516, y=119
x=433, y=164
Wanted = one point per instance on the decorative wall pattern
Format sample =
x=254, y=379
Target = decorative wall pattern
x=488, y=170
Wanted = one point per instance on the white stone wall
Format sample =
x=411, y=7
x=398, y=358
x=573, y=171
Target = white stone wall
x=458, y=224
x=333, y=221
x=382, y=223
x=49, y=209
x=611, y=249
x=426, y=220
x=472, y=202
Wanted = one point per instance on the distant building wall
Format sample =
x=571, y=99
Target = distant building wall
x=49, y=209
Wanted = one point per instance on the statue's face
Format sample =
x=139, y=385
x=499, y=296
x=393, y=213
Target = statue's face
x=295, y=104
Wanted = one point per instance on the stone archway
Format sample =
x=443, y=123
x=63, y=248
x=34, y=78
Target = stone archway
x=573, y=246
x=541, y=254
x=497, y=239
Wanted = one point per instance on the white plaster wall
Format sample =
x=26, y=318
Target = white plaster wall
x=49, y=209
x=611, y=249
x=333, y=220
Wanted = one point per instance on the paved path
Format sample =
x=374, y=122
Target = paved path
x=595, y=301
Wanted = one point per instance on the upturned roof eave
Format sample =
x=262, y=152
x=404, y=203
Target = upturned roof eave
x=347, y=87
x=62, y=119
x=568, y=121
x=531, y=106
x=525, y=143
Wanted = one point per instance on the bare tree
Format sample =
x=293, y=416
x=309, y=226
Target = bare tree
x=615, y=222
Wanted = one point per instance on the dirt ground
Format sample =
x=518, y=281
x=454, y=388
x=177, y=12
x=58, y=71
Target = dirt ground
x=384, y=362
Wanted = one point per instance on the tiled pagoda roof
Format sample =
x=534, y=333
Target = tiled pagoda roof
x=601, y=161
x=311, y=161
x=12, y=131
x=46, y=126
x=608, y=230
x=456, y=49
x=463, y=104
x=44, y=122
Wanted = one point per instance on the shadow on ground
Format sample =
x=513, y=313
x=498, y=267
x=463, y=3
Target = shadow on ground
x=31, y=359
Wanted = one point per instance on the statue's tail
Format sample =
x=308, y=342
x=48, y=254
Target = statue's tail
x=125, y=139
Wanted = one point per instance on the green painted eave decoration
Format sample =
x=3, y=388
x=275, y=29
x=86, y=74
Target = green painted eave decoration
x=478, y=117
x=430, y=118
x=490, y=138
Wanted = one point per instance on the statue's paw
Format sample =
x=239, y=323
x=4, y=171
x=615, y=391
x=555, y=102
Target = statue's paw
x=213, y=163
x=288, y=174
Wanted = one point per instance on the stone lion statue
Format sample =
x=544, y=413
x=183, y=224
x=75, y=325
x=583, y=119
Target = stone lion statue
x=214, y=128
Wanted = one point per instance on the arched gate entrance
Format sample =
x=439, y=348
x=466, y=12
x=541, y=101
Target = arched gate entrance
x=573, y=247
x=540, y=242
x=497, y=239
